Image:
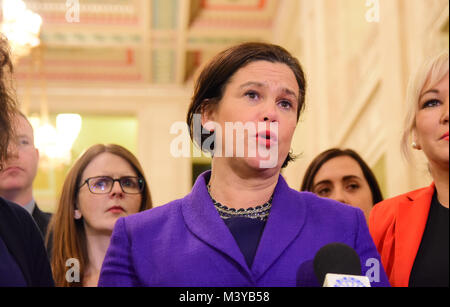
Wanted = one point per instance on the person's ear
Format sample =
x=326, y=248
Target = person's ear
x=416, y=146
x=207, y=111
x=77, y=214
x=415, y=143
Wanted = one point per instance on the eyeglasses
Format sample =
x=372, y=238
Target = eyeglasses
x=104, y=184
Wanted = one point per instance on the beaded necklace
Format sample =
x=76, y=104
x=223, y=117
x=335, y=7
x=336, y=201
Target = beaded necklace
x=258, y=212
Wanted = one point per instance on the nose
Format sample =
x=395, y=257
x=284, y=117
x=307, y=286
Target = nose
x=444, y=118
x=340, y=196
x=116, y=190
x=270, y=113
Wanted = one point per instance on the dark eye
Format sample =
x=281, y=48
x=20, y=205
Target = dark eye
x=324, y=192
x=252, y=95
x=129, y=182
x=24, y=142
x=100, y=183
x=352, y=186
x=431, y=103
x=285, y=104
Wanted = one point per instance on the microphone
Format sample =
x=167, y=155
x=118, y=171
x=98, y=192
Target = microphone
x=338, y=265
x=305, y=275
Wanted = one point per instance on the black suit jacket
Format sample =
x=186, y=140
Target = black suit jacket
x=42, y=219
x=24, y=241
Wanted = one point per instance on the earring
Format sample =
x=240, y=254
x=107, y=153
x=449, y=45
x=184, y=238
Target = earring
x=77, y=214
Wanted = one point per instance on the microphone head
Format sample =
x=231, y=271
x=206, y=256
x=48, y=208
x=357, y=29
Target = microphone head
x=306, y=276
x=337, y=258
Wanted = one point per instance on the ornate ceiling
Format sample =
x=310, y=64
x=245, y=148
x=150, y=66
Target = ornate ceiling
x=148, y=42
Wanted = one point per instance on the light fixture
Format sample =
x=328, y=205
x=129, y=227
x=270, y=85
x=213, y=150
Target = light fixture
x=21, y=26
x=55, y=144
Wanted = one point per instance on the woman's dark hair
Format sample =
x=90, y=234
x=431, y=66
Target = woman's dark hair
x=7, y=102
x=316, y=164
x=211, y=83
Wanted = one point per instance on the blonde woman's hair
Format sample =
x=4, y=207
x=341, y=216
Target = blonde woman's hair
x=65, y=235
x=429, y=73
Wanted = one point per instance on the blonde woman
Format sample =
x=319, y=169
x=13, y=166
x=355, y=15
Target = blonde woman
x=105, y=183
x=411, y=231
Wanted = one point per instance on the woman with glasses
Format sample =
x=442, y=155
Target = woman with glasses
x=105, y=183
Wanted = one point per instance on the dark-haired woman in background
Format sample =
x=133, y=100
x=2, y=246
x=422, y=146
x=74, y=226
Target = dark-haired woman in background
x=343, y=175
x=23, y=259
x=241, y=225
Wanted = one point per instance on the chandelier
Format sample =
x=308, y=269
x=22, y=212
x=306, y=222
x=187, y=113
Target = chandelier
x=55, y=143
x=21, y=26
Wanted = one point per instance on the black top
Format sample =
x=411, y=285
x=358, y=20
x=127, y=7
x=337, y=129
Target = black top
x=25, y=245
x=247, y=232
x=431, y=268
x=246, y=225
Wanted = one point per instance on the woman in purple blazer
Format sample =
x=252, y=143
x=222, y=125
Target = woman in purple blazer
x=241, y=225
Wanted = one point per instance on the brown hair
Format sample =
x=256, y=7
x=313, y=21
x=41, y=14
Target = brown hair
x=211, y=83
x=321, y=159
x=65, y=235
x=7, y=101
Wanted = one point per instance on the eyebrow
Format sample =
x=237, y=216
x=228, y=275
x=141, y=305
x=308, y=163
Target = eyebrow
x=434, y=91
x=23, y=136
x=326, y=181
x=259, y=84
x=111, y=175
x=351, y=177
x=345, y=178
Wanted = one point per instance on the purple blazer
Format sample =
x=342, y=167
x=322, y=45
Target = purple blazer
x=186, y=243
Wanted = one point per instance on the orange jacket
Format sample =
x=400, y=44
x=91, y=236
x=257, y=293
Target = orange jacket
x=397, y=226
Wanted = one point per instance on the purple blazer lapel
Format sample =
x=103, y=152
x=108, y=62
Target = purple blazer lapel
x=202, y=218
x=287, y=217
